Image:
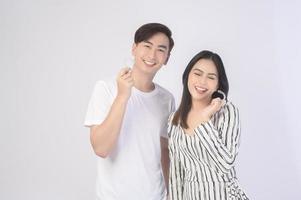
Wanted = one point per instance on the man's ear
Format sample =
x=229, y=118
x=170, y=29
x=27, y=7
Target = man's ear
x=134, y=48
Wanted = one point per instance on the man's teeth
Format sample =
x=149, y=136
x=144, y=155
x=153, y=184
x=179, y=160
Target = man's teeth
x=149, y=63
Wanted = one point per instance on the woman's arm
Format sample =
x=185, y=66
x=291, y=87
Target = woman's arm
x=222, y=141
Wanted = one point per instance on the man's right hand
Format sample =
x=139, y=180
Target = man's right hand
x=125, y=83
x=105, y=135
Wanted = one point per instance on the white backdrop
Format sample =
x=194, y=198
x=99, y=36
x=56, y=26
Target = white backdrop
x=53, y=51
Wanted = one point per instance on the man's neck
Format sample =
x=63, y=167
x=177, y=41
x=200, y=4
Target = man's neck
x=143, y=81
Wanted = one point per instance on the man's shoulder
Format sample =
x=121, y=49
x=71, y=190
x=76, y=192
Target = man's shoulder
x=107, y=83
x=164, y=92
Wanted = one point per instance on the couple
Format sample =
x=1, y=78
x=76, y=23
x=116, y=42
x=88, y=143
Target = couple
x=146, y=147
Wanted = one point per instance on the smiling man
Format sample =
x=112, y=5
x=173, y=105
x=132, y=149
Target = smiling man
x=128, y=123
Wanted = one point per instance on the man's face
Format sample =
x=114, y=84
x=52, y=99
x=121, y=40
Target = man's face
x=151, y=54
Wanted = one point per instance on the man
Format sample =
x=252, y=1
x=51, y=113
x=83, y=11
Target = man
x=128, y=121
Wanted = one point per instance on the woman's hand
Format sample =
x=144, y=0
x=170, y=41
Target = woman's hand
x=215, y=105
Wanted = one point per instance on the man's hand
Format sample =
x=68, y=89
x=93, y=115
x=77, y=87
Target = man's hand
x=125, y=83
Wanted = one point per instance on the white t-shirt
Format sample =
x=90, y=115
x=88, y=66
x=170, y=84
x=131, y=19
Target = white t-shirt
x=133, y=169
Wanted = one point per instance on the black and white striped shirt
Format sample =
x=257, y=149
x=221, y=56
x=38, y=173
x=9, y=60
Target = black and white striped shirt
x=202, y=164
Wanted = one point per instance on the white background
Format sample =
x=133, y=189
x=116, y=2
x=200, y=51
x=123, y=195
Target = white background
x=53, y=51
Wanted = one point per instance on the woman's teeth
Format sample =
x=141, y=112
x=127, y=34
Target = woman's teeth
x=200, y=89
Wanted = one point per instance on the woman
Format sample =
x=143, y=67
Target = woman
x=204, y=135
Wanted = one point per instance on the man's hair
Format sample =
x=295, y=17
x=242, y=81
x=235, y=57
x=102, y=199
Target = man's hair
x=146, y=31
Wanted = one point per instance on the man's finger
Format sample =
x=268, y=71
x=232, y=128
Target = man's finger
x=124, y=71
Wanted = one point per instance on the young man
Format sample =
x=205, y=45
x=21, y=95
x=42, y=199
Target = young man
x=128, y=121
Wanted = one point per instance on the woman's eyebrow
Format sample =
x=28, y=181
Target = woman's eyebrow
x=197, y=69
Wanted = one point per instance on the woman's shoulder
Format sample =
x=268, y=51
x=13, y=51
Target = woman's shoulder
x=171, y=115
x=229, y=107
x=170, y=118
x=227, y=112
x=170, y=123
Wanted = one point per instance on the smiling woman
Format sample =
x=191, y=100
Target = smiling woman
x=204, y=135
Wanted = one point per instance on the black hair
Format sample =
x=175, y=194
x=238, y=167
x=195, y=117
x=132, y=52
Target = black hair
x=146, y=31
x=180, y=115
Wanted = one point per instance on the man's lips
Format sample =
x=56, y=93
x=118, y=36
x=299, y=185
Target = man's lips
x=149, y=63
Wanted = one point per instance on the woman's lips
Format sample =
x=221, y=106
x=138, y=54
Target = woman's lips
x=200, y=90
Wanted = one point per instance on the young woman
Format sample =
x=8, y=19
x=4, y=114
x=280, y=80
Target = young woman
x=204, y=135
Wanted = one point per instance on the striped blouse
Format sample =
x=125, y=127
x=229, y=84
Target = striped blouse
x=202, y=164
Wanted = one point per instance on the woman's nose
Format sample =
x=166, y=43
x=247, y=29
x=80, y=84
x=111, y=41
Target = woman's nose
x=202, y=80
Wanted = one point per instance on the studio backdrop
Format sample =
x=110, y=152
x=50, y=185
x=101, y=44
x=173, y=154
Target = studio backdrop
x=53, y=52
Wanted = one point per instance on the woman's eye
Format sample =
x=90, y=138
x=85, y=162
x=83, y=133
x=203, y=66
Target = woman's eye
x=197, y=74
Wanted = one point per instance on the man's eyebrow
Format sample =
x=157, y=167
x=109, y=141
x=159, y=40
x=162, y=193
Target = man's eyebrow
x=146, y=41
x=163, y=46
x=160, y=46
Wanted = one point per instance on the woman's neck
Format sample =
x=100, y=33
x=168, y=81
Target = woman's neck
x=199, y=105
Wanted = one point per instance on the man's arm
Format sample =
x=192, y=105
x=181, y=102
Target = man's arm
x=165, y=159
x=104, y=136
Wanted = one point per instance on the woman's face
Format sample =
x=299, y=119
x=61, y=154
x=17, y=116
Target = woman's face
x=203, y=80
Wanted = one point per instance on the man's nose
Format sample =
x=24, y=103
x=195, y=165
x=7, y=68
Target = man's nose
x=151, y=53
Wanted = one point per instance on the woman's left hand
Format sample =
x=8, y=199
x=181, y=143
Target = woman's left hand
x=215, y=105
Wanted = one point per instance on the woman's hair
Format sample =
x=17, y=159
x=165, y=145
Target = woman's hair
x=146, y=31
x=180, y=115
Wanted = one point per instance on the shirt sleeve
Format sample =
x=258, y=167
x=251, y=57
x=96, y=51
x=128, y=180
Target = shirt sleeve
x=221, y=141
x=99, y=104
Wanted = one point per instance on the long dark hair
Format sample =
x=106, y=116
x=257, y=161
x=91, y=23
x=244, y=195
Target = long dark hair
x=180, y=115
